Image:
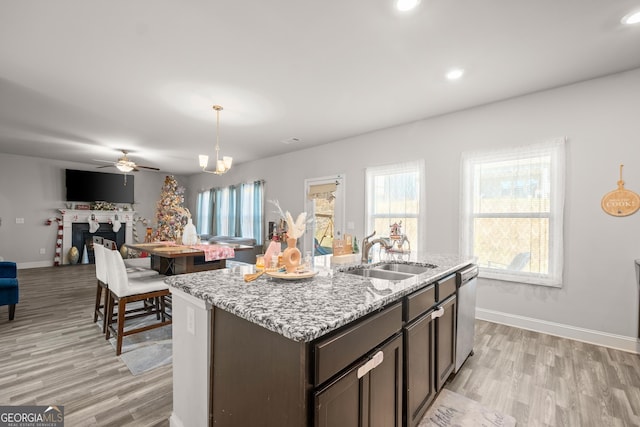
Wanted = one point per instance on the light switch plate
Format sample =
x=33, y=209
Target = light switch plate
x=19, y=220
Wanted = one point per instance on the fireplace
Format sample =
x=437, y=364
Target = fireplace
x=82, y=238
x=76, y=230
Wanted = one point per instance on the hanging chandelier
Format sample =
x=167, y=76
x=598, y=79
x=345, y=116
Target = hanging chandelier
x=224, y=164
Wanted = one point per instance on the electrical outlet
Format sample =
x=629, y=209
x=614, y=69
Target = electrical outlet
x=191, y=321
x=42, y=251
x=351, y=225
x=19, y=220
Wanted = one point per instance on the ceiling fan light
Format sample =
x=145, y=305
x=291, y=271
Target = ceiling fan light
x=204, y=160
x=124, y=167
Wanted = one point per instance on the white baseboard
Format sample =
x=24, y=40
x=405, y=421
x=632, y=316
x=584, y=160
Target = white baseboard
x=174, y=421
x=34, y=264
x=604, y=339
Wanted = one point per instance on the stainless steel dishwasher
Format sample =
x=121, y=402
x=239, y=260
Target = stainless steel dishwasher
x=466, y=281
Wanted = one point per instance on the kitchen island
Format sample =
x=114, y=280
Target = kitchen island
x=277, y=353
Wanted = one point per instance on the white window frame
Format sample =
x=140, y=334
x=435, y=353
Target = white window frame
x=470, y=162
x=370, y=174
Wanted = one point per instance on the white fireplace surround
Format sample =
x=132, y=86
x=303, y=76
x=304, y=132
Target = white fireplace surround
x=69, y=217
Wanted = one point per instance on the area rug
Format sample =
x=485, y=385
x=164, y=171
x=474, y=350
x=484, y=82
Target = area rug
x=146, y=350
x=454, y=410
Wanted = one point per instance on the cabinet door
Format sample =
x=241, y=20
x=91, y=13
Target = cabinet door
x=373, y=400
x=385, y=387
x=340, y=403
x=446, y=341
x=419, y=370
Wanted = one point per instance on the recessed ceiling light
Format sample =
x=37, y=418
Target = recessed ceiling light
x=455, y=74
x=632, y=18
x=406, y=5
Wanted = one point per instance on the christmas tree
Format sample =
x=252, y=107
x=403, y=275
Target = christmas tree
x=170, y=214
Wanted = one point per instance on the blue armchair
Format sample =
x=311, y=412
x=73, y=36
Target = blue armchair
x=9, y=286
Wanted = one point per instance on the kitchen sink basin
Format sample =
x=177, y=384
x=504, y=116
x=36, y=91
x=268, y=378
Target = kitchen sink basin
x=405, y=268
x=379, y=274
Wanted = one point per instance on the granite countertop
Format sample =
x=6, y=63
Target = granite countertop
x=303, y=310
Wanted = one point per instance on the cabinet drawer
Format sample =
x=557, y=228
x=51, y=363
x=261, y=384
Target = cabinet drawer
x=446, y=287
x=339, y=351
x=420, y=301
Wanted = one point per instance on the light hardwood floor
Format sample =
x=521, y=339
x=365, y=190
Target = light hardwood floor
x=543, y=380
x=53, y=354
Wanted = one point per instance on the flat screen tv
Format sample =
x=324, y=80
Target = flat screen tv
x=87, y=186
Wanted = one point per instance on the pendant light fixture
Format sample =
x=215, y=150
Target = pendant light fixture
x=224, y=164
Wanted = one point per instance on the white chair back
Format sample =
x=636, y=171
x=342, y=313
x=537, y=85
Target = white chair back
x=116, y=272
x=101, y=263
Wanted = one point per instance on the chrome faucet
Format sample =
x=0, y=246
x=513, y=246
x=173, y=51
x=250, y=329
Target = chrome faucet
x=366, y=246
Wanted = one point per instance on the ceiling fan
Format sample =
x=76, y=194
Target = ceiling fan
x=126, y=165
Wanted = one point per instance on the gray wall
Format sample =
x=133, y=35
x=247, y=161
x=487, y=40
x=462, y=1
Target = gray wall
x=34, y=189
x=600, y=119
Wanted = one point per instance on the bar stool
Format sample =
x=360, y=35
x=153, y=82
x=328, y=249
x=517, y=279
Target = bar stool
x=124, y=290
x=103, y=279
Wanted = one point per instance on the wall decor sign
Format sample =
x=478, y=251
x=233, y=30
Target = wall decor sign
x=620, y=202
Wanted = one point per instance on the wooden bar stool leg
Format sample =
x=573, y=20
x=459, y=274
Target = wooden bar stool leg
x=121, y=309
x=98, y=300
x=108, y=316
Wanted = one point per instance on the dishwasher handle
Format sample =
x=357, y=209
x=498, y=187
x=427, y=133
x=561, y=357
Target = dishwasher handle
x=467, y=274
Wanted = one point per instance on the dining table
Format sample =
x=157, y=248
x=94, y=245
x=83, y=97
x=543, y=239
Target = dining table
x=170, y=258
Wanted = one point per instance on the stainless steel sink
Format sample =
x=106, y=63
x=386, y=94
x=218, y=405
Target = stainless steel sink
x=404, y=268
x=379, y=274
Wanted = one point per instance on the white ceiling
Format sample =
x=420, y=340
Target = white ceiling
x=80, y=80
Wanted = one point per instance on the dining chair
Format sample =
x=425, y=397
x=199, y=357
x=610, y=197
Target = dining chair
x=102, y=277
x=102, y=286
x=125, y=290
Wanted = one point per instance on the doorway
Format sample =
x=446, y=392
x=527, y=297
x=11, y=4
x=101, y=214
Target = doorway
x=324, y=202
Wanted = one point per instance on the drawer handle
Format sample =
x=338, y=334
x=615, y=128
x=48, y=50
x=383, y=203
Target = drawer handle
x=371, y=363
x=438, y=313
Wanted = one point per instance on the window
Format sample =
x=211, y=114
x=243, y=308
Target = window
x=237, y=210
x=512, y=212
x=204, y=209
x=394, y=194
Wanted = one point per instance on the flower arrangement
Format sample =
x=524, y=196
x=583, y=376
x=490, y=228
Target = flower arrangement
x=295, y=229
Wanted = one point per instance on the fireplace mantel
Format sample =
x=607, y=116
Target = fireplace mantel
x=70, y=216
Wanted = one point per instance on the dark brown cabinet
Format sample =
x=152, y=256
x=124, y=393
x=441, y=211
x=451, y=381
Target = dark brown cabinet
x=367, y=395
x=420, y=367
x=380, y=370
x=445, y=341
x=429, y=337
